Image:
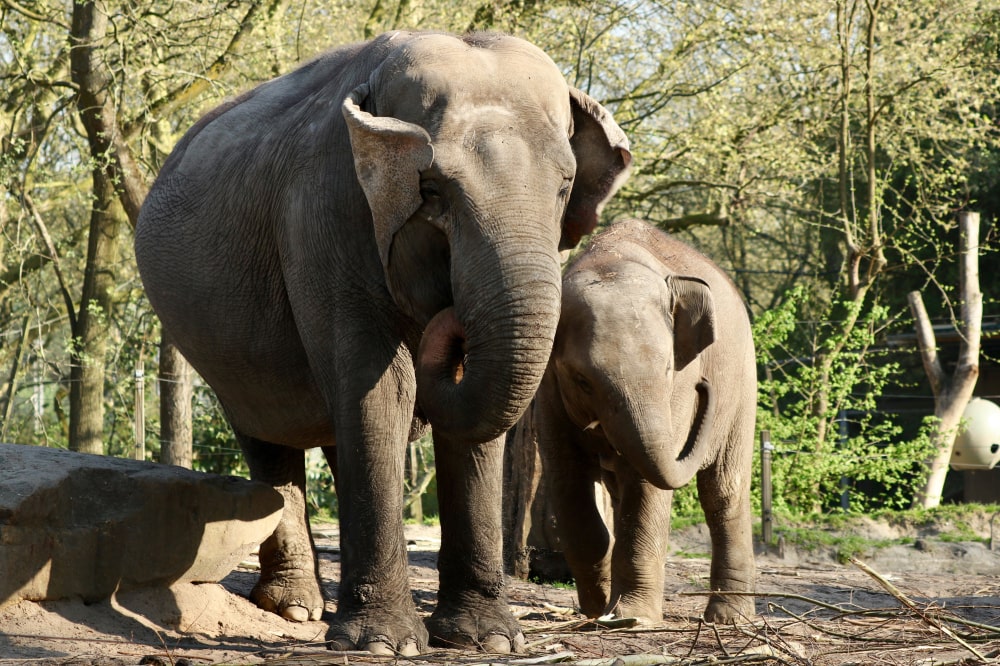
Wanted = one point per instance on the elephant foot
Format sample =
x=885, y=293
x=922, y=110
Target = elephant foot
x=648, y=612
x=294, y=595
x=725, y=609
x=382, y=631
x=593, y=595
x=486, y=625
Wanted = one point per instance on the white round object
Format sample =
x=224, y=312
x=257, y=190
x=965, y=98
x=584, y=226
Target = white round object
x=978, y=446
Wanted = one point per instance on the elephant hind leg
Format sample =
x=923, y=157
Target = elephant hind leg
x=289, y=574
x=725, y=498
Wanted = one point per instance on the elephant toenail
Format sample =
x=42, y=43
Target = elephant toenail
x=380, y=646
x=296, y=614
x=496, y=643
x=409, y=648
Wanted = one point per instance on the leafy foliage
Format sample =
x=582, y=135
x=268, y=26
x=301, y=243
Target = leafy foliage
x=215, y=447
x=809, y=472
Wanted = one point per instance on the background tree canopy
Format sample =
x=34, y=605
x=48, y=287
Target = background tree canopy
x=825, y=146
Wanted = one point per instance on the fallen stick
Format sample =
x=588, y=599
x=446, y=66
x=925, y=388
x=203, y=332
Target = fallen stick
x=909, y=603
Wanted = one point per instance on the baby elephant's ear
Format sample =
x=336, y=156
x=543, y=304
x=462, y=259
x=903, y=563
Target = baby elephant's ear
x=602, y=165
x=389, y=155
x=694, y=317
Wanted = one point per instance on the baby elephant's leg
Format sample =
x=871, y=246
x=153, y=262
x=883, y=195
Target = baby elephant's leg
x=642, y=530
x=725, y=498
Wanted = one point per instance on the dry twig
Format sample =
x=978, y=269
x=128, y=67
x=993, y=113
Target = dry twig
x=909, y=603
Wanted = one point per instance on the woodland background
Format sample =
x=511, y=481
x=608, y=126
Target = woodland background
x=818, y=150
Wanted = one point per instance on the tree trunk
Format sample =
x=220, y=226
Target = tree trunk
x=117, y=184
x=11, y=389
x=414, y=500
x=951, y=394
x=90, y=335
x=176, y=391
x=531, y=546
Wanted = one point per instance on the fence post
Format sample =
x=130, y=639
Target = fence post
x=767, y=518
x=140, y=412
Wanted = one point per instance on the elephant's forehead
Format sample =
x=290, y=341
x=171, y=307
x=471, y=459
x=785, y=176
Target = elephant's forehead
x=448, y=80
x=626, y=310
x=625, y=343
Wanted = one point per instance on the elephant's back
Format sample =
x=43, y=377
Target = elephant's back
x=209, y=242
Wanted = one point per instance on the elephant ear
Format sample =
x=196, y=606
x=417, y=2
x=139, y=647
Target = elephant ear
x=389, y=155
x=693, y=312
x=602, y=165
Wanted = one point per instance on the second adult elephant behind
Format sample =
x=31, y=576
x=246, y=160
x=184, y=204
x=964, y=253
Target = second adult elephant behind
x=652, y=381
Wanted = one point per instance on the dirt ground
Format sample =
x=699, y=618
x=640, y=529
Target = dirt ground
x=810, y=610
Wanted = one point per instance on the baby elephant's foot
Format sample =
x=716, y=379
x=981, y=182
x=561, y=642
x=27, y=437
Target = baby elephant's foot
x=384, y=631
x=729, y=609
x=484, y=624
x=293, y=594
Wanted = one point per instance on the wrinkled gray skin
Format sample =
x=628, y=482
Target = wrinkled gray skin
x=652, y=382
x=364, y=245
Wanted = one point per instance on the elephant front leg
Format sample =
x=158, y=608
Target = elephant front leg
x=289, y=581
x=375, y=610
x=472, y=607
x=642, y=530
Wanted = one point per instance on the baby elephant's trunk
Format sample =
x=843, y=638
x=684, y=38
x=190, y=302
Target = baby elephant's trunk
x=659, y=459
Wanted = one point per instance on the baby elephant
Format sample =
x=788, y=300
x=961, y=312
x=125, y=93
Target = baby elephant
x=652, y=381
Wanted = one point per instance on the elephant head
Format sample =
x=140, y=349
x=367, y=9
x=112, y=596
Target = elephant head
x=627, y=363
x=479, y=163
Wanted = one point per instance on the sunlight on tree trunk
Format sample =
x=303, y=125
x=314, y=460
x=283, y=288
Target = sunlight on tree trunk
x=951, y=394
x=90, y=336
x=117, y=184
x=176, y=383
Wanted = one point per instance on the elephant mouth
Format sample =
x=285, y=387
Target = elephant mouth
x=443, y=355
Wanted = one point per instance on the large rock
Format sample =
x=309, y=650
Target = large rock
x=73, y=524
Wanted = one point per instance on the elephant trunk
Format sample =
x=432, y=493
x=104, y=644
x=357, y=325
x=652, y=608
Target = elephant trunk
x=480, y=361
x=656, y=456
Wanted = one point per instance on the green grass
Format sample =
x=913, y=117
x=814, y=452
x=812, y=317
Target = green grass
x=957, y=538
x=431, y=520
x=833, y=531
x=557, y=584
x=844, y=546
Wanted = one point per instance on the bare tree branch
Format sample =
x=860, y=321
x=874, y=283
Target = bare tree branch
x=183, y=94
x=927, y=343
x=50, y=247
x=33, y=15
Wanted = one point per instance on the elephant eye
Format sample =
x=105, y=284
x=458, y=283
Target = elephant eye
x=434, y=203
x=430, y=189
x=567, y=185
x=583, y=384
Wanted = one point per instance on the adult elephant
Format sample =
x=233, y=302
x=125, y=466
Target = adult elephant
x=364, y=245
x=652, y=382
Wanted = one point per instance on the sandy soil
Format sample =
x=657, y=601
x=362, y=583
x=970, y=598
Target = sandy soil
x=811, y=610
